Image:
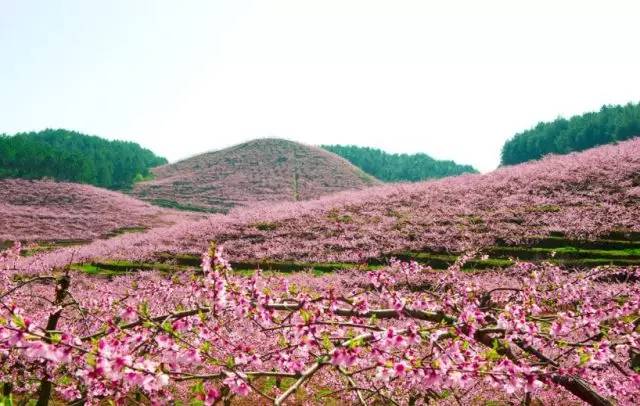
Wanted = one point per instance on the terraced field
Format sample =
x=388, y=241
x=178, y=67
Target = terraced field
x=614, y=249
x=40, y=246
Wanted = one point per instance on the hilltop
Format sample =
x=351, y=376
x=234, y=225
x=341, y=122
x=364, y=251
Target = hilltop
x=261, y=170
x=74, y=157
x=398, y=167
x=561, y=136
x=46, y=210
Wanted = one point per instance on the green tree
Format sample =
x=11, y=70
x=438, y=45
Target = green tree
x=561, y=136
x=398, y=167
x=71, y=156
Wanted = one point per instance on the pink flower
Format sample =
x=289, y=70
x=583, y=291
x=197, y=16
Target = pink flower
x=211, y=395
x=400, y=368
x=343, y=357
x=237, y=386
x=69, y=393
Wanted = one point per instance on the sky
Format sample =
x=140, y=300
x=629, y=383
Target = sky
x=453, y=79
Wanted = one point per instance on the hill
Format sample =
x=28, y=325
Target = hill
x=74, y=157
x=580, y=195
x=398, y=167
x=260, y=170
x=561, y=136
x=531, y=326
x=45, y=210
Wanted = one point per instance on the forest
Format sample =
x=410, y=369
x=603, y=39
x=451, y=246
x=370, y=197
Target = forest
x=562, y=136
x=398, y=167
x=71, y=156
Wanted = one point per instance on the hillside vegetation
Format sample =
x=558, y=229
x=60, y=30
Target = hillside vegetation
x=45, y=210
x=561, y=136
x=582, y=195
x=398, y=167
x=74, y=157
x=171, y=316
x=264, y=170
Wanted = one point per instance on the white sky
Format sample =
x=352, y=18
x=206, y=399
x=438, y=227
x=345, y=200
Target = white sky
x=451, y=78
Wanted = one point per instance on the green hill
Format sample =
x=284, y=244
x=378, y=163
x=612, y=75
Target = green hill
x=398, y=167
x=561, y=136
x=74, y=157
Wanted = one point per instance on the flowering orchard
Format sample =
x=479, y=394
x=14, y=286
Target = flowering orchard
x=583, y=195
x=403, y=334
x=48, y=210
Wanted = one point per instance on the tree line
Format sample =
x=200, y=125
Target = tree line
x=561, y=136
x=74, y=157
x=398, y=167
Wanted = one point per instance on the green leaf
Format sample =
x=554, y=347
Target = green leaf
x=269, y=384
x=634, y=358
x=282, y=341
x=306, y=316
x=205, y=347
x=18, y=321
x=197, y=388
x=322, y=393
x=6, y=400
x=373, y=319
x=56, y=338
x=326, y=342
x=91, y=360
x=143, y=309
x=492, y=355
x=356, y=343
x=166, y=326
x=584, y=358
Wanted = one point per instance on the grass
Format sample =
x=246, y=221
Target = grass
x=265, y=226
x=335, y=215
x=600, y=244
x=171, y=204
x=444, y=260
x=125, y=230
x=563, y=252
x=185, y=262
x=545, y=208
x=35, y=247
x=566, y=252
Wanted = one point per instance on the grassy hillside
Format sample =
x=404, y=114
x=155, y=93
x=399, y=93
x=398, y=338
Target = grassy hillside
x=74, y=157
x=41, y=210
x=261, y=170
x=398, y=167
x=561, y=136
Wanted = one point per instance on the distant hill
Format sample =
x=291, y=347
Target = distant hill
x=46, y=210
x=585, y=195
x=260, y=170
x=561, y=136
x=74, y=157
x=398, y=167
